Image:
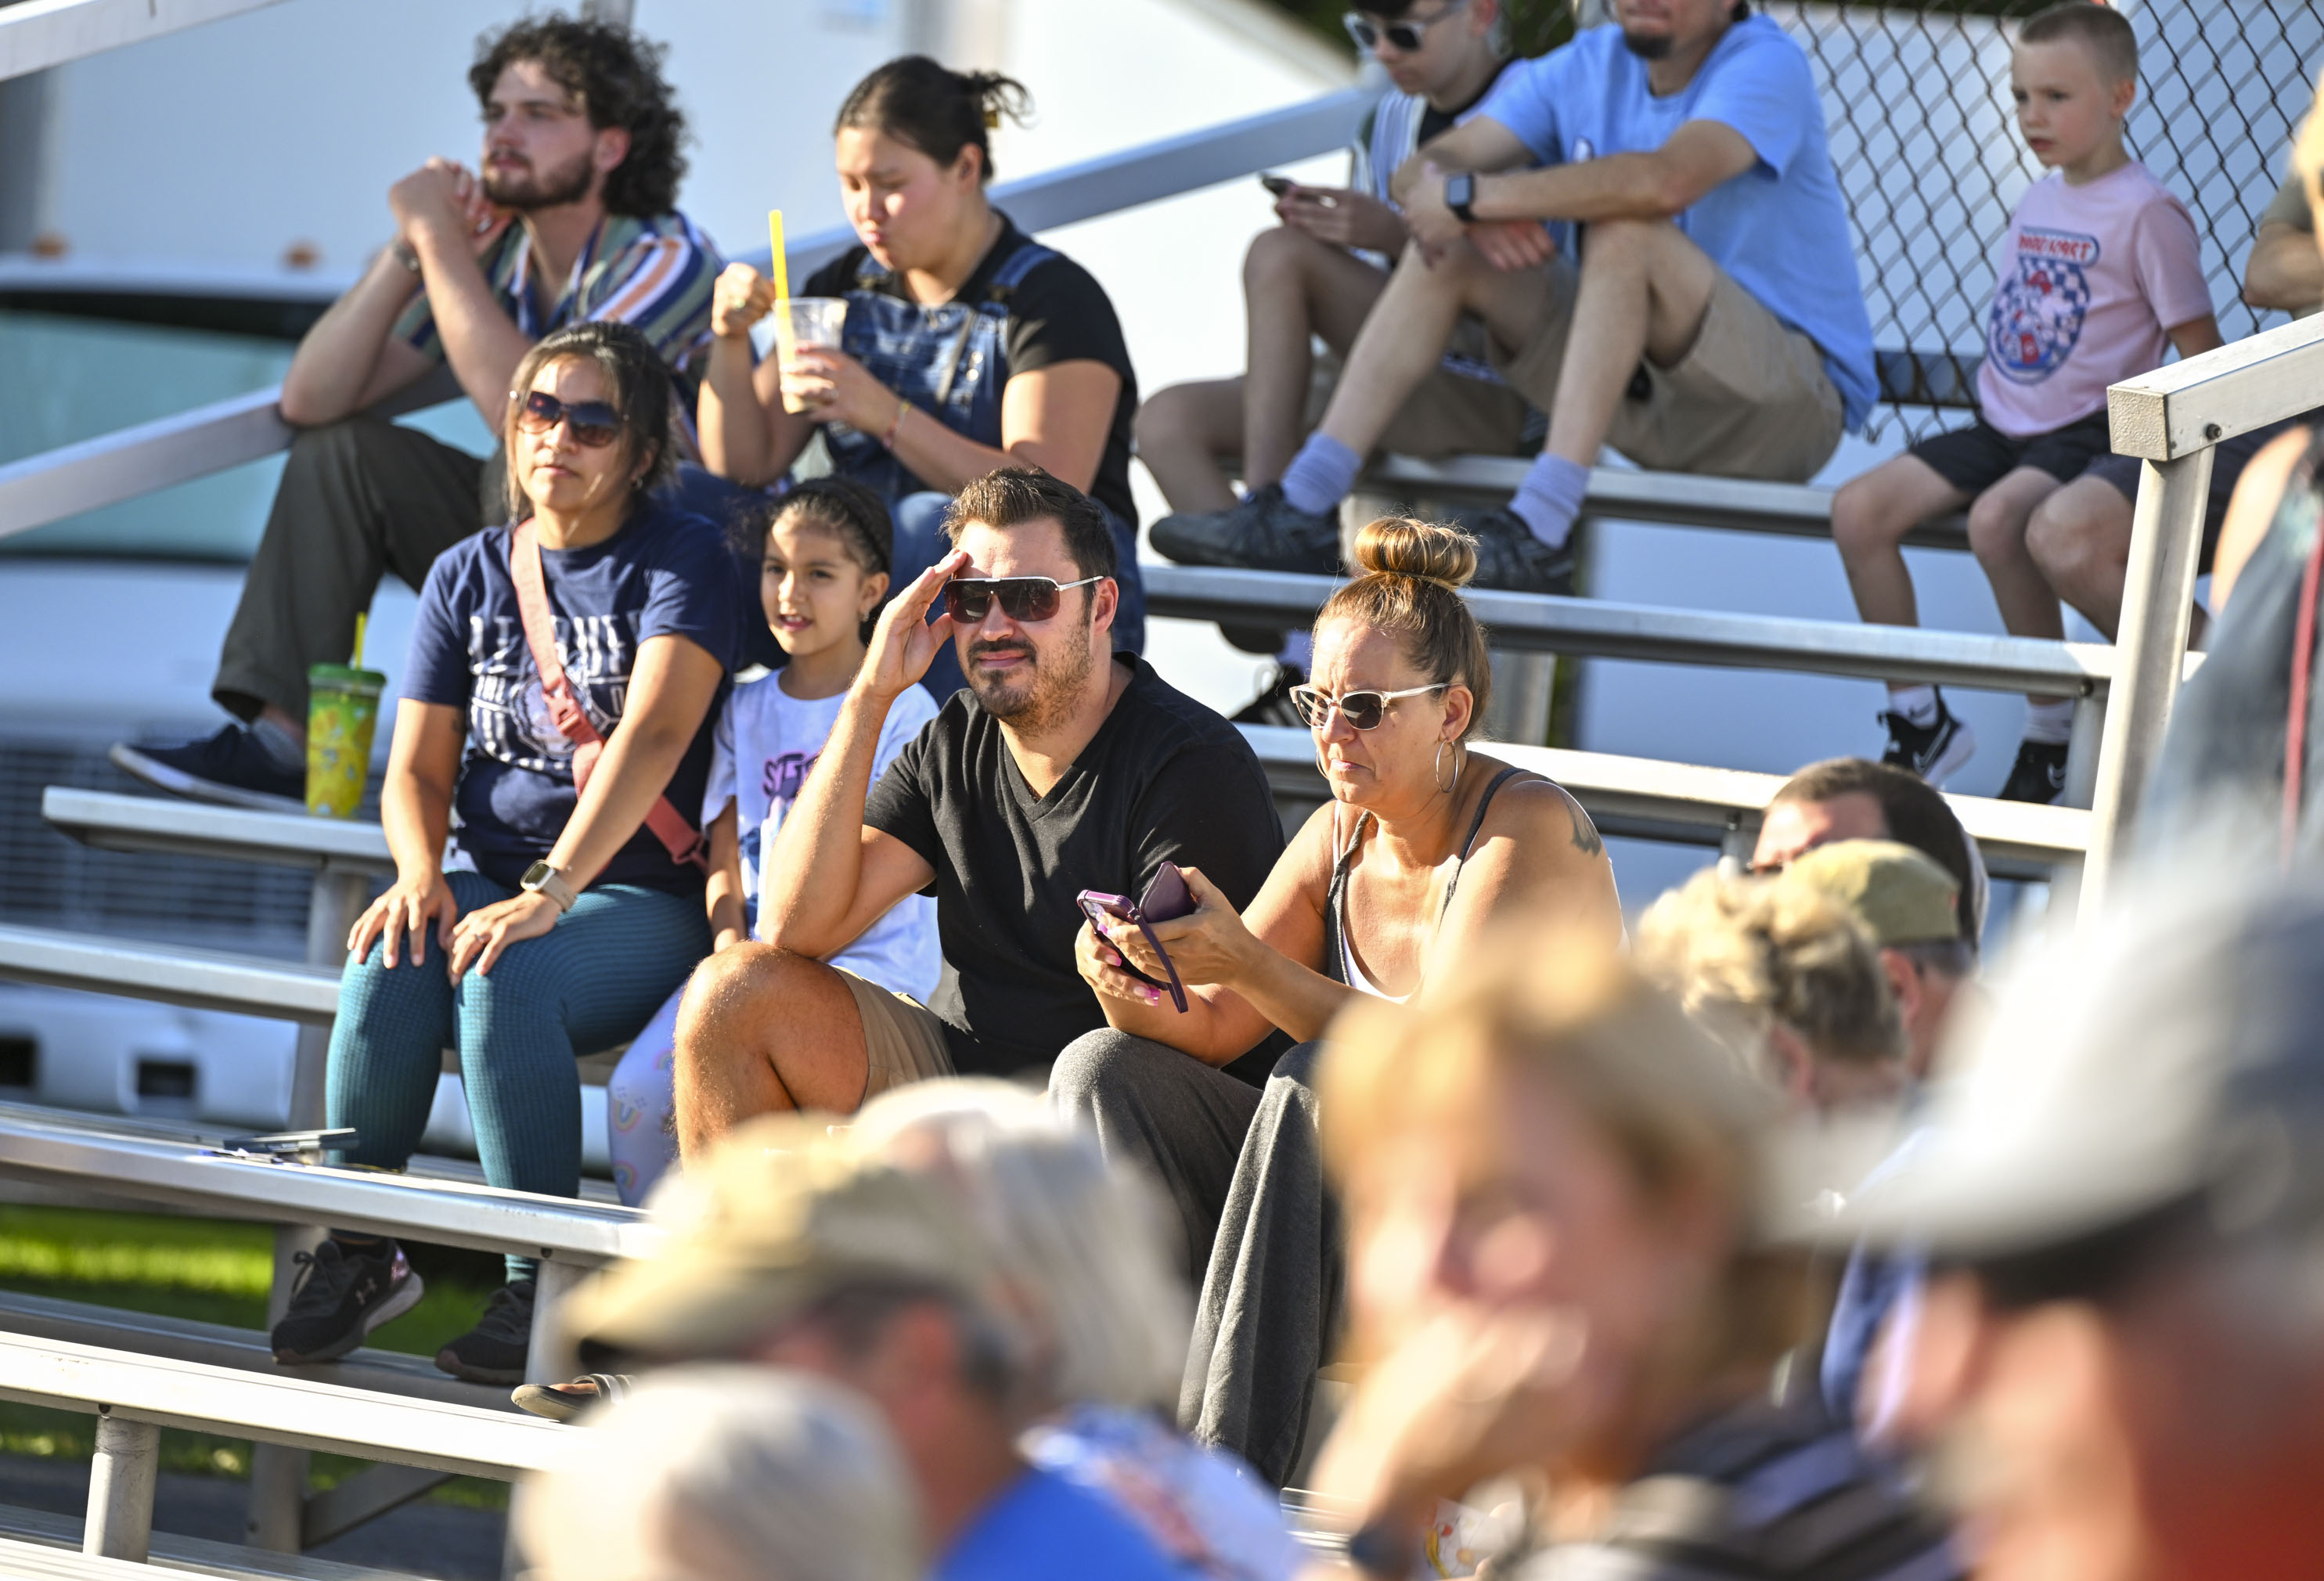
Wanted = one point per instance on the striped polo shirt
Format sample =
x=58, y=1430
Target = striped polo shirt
x=1759, y=1493
x=655, y=273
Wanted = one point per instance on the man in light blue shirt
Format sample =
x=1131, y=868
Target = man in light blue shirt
x=1647, y=222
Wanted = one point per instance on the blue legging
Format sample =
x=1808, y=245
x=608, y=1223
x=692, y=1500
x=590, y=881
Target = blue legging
x=589, y=983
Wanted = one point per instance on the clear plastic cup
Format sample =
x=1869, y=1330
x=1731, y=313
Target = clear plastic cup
x=815, y=321
x=342, y=713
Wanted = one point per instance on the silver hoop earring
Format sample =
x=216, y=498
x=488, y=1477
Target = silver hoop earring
x=1442, y=788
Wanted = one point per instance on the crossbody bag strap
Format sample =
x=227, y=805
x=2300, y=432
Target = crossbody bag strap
x=683, y=841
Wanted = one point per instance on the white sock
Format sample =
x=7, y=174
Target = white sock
x=2051, y=720
x=1918, y=704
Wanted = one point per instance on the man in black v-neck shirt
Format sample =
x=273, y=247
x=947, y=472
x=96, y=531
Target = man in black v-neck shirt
x=1063, y=767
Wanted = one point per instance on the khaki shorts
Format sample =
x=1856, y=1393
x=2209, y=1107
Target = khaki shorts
x=903, y=1040
x=1750, y=399
x=1450, y=414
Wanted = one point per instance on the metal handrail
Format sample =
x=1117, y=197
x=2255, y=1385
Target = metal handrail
x=2174, y=418
x=36, y=35
x=134, y=462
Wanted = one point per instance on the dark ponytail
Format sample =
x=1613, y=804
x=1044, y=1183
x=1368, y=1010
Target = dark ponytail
x=935, y=109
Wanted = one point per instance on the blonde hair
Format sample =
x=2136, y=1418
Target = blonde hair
x=1563, y=1006
x=1743, y=955
x=1080, y=1247
x=726, y=1473
x=1409, y=582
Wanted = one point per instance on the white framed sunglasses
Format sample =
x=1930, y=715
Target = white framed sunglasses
x=1363, y=710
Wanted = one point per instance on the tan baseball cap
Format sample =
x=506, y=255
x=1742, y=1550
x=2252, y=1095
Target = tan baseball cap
x=1901, y=893
x=778, y=1216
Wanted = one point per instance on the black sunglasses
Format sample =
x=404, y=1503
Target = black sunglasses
x=1406, y=36
x=591, y=423
x=969, y=599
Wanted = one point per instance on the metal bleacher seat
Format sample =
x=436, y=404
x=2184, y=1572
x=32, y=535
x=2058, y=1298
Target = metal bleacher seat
x=135, y=1395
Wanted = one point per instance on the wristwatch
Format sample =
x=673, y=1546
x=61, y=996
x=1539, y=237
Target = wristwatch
x=541, y=878
x=405, y=254
x=1460, y=192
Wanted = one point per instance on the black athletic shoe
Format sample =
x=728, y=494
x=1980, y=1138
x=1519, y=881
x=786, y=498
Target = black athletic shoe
x=341, y=1296
x=229, y=766
x=1509, y=558
x=2039, y=775
x=1273, y=705
x=1265, y=532
x=493, y=1351
x=1935, y=752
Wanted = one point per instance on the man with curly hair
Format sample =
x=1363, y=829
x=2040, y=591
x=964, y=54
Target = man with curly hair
x=571, y=215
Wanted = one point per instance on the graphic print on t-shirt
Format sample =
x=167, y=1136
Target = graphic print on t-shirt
x=2038, y=310
x=779, y=778
x=508, y=717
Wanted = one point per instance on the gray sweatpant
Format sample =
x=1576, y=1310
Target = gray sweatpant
x=357, y=497
x=1245, y=1172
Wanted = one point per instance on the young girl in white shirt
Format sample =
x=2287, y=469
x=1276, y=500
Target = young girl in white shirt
x=827, y=556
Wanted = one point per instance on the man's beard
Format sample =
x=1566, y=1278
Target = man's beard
x=1646, y=46
x=533, y=190
x=1031, y=703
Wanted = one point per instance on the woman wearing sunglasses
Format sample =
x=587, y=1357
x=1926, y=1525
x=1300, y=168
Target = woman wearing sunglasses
x=557, y=698
x=968, y=346
x=1423, y=843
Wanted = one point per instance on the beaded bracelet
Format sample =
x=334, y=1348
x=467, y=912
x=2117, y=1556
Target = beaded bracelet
x=887, y=439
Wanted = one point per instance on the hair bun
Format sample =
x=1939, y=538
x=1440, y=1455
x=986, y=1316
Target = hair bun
x=1398, y=545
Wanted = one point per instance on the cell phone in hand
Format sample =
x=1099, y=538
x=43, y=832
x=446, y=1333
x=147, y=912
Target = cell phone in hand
x=1166, y=898
x=1280, y=186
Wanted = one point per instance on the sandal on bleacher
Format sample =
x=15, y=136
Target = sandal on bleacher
x=564, y=1401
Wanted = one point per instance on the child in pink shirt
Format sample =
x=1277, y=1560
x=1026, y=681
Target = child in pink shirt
x=2100, y=272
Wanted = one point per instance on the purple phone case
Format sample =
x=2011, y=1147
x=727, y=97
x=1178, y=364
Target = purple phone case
x=1167, y=892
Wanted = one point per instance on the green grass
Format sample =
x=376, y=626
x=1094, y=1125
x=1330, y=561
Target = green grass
x=214, y=1272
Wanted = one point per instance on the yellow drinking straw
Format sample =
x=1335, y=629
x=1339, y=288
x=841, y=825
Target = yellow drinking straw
x=356, y=663
x=786, y=348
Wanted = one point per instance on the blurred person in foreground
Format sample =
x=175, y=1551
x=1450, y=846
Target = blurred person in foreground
x=1559, y=1201
x=1081, y=1253
x=726, y=1474
x=789, y=1248
x=2125, y=1195
x=1855, y=798
x=1788, y=979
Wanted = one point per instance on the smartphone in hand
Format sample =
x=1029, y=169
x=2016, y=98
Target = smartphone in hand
x=1166, y=898
x=1279, y=185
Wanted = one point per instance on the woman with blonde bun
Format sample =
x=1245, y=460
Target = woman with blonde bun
x=1423, y=843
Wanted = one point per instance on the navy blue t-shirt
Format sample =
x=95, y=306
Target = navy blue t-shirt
x=666, y=574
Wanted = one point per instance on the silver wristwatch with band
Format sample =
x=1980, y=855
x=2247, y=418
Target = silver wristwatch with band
x=541, y=878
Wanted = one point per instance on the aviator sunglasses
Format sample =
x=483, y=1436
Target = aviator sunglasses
x=592, y=424
x=1363, y=710
x=1406, y=36
x=969, y=599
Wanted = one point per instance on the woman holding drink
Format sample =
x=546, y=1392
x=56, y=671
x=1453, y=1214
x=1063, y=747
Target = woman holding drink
x=562, y=681
x=1423, y=845
x=965, y=345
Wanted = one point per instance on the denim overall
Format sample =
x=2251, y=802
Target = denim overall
x=951, y=360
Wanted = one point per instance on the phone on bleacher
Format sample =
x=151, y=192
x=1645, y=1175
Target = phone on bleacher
x=1165, y=899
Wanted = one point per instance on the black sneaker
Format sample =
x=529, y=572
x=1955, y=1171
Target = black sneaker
x=2039, y=775
x=1273, y=705
x=1935, y=752
x=1510, y=558
x=343, y=1293
x=1265, y=532
x=493, y=1351
x=229, y=766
